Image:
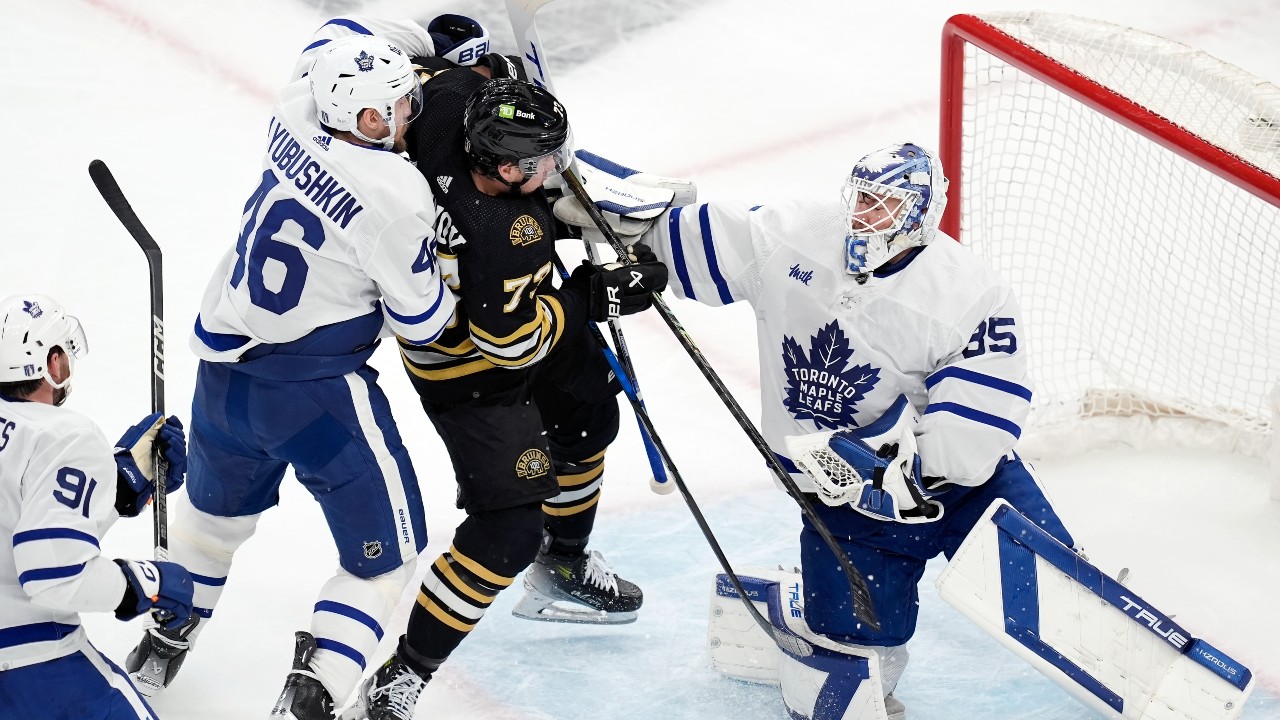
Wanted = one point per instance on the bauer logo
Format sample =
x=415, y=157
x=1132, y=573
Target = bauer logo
x=822, y=386
x=533, y=464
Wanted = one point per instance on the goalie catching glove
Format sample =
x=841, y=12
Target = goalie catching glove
x=628, y=199
x=876, y=468
x=612, y=291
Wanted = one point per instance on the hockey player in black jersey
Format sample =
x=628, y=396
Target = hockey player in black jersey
x=517, y=388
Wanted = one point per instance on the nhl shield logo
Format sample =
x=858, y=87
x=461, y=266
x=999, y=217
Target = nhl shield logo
x=373, y=549
x=525, y=231
x=533, y=464
x=364, y=61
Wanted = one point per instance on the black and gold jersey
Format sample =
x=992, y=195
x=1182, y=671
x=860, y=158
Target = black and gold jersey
x=496, y=253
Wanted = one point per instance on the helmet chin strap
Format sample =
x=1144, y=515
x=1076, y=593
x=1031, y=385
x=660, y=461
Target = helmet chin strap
x=385, y=143
x=61, y=389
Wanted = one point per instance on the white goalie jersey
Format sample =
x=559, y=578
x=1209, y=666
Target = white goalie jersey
x=334, y=231
x=939, y=327
x=57, y=499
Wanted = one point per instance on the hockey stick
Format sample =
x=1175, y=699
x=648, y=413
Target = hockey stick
x=110, y=191
x=792, y=643
x=858, y=590
x=526, y=33
x=658, y=483
x=524, y=27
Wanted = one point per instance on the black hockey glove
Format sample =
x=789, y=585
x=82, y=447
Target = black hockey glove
x=638, y=252
x=612, y=291
x=503, y=66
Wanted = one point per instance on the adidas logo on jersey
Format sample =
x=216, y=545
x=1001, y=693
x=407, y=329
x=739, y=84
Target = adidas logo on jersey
x=444, y=181
x=322, y=141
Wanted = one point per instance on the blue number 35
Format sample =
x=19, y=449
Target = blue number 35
x=991, y=336
x=265, y=247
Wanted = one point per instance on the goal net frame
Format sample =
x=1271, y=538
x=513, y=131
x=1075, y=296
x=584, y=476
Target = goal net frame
x=1110, y=413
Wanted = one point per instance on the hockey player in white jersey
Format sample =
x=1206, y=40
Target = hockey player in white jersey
x=859, y=304
x=335, y=245
x=62, y=486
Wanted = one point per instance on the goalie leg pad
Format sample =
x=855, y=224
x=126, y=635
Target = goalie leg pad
x=835, y=682
x=1106, y=646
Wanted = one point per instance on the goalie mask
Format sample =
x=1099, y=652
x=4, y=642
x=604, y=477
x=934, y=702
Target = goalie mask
x=31, y=326
x=894, y=198
x=354, y=73
x=512, y=121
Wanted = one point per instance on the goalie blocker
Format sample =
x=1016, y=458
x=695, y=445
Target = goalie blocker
x=1106, y=646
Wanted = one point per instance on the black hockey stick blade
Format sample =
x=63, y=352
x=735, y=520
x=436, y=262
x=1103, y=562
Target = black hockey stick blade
x=110, y=191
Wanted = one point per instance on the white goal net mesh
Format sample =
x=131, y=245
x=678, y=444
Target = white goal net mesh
x=1148, y=283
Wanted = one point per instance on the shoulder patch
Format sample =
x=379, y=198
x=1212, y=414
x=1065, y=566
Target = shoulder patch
x=525, y=231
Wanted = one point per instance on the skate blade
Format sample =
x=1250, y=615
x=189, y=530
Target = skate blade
x=536, y=606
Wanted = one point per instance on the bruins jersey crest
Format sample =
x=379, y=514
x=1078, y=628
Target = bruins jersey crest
x=525, y=231
x=533, y=463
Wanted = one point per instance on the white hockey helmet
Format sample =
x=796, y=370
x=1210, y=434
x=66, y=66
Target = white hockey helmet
x=905, y=172
x=31, y=325
x=362, y=71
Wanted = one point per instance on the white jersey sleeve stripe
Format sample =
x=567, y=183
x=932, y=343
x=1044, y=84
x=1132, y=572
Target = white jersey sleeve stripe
x=977, y=416
x=53, y=534
x=677, y=254
x=421, y=317
x=351, y=25
x=53, y=573
x=709, y=247
x=977, y=378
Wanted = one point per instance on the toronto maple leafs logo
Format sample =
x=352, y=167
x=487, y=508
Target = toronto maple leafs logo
x=364, y=61
x=32, y=308
x=820, y=385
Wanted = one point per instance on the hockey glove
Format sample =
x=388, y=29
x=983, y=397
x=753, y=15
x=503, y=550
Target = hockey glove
x=135, y=475
x=629, y=200
x=612, y=291
x=875, y=468
x=161, y=586
x=458, y=38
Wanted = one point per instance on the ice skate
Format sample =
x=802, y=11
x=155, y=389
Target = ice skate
x=894, y=708
x=581, y=589
x=304, y=696
x=155, y=662
x=391, y=693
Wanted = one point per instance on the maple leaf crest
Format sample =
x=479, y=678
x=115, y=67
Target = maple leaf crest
x=820, y=385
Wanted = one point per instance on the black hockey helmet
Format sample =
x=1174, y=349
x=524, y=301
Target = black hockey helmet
x=517, y=122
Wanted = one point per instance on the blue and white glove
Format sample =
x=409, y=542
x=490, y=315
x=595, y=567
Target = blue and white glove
x=164, y=587
x=135, y=471
x=875, y=469
x=630, y=200
x=458, y=39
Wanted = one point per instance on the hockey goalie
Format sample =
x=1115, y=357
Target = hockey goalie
x=894, y=387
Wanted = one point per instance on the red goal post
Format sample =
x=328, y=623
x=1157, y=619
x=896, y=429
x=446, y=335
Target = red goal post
x=1129, y=187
